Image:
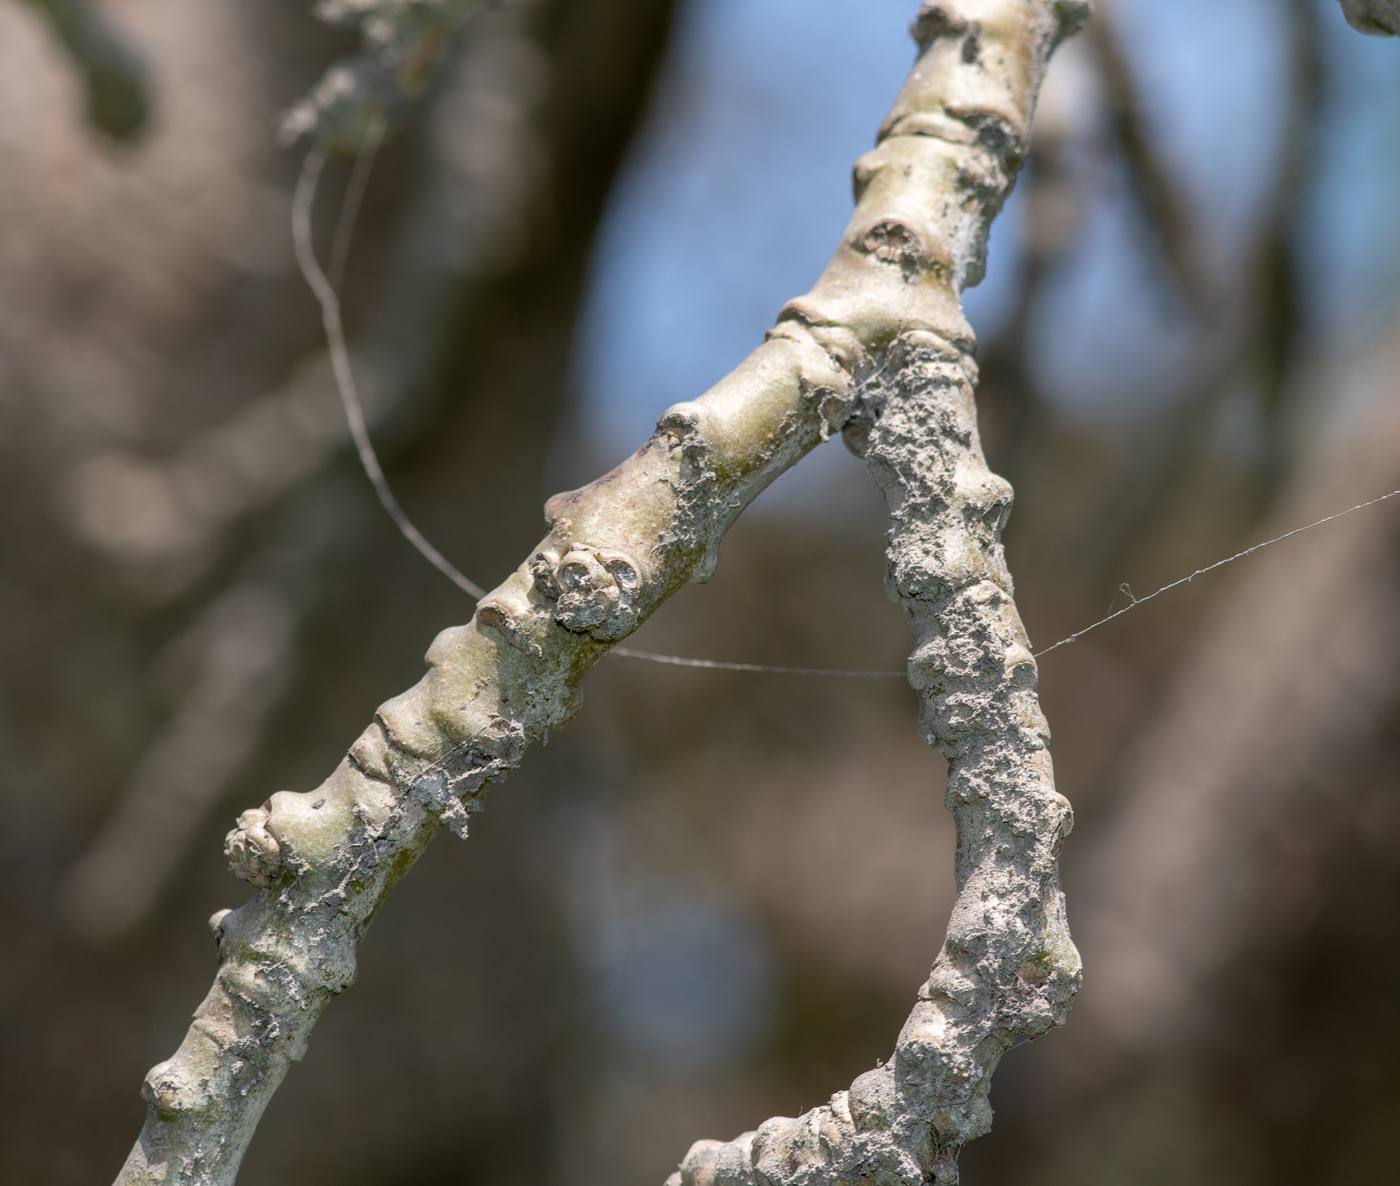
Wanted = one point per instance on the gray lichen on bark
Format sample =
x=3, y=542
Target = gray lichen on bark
x=880, y=351
x=1008, y=970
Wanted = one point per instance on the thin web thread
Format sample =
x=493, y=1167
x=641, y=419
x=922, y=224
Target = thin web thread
x=345, y=377
x=325, y=292
x=1137, y=601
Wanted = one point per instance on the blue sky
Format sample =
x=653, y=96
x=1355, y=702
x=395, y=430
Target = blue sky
x=739, y=189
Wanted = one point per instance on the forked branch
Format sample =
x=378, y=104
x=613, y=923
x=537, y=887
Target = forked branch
x=880, y=351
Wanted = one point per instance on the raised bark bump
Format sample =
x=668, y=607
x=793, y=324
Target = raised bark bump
x=899, y=350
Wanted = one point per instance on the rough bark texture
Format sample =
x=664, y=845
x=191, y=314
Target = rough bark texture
x=879, y=350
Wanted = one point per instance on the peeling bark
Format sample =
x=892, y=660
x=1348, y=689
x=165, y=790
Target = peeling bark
x=880, y=351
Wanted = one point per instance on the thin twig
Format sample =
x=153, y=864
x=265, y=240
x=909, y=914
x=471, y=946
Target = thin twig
x=350, y=203
x=344, y=375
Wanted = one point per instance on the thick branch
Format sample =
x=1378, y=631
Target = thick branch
x=1008, y=970
x=880, y=350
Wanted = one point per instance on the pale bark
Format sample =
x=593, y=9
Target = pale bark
x=879, y=350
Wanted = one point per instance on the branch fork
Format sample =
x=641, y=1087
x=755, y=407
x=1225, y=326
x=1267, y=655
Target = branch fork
x=880, y=351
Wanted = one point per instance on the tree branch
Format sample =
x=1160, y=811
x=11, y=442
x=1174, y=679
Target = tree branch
x=881, y=351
